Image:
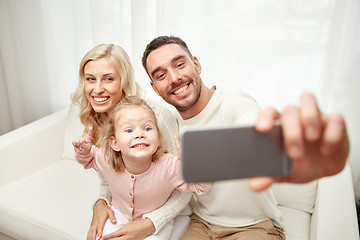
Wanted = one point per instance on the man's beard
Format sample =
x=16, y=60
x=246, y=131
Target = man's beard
x=181, y=108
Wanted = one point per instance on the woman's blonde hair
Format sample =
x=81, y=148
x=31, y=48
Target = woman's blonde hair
x=121, y=61
x=113, y=157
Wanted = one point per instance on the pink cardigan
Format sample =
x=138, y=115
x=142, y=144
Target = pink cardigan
x=135, y=195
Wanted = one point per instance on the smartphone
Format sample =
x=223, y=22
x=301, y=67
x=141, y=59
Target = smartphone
x=221, y=153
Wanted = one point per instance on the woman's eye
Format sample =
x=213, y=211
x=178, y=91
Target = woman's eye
x=90, y=79
x=108, y=79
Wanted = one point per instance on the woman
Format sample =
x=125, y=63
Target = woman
x=105, y=77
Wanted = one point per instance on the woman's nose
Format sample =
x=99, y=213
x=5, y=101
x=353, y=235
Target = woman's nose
x=99, y=87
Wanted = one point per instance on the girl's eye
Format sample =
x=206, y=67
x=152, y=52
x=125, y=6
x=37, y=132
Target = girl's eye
x=147, y=129
x=128, y=130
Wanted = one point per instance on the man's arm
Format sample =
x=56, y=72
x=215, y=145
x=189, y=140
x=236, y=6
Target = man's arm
x=317, y=143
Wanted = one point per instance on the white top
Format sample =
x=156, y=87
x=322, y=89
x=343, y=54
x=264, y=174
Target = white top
x=231, y=203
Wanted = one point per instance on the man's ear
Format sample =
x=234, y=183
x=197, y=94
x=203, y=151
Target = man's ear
x=113, y=144
x=154, y=87
x=197, y=64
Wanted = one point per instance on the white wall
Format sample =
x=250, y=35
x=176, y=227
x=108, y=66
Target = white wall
x=272, y=49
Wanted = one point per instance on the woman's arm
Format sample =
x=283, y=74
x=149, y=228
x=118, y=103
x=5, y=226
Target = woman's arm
x=101, y=212
x=153, y=222
x=105, y=192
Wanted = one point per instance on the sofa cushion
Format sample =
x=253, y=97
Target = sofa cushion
x=296, y=223
x=53, y=203
x=296, y=196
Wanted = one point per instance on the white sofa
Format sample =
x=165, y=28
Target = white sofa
x=45, y=194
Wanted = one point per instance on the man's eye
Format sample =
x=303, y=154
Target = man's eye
x=128, y=130
x=179, y=65
x=160, y=76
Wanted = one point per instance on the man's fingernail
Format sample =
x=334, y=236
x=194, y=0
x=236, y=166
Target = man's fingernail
x=311, y=132
x=262, y=123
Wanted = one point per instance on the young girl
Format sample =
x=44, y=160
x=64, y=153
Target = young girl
x=140, y=173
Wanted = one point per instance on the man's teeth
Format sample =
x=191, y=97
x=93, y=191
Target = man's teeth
x=100, y=99
x=182, y=89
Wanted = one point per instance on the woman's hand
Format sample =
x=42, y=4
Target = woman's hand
x=133, y=230
x=317, y=143
x=101, y=212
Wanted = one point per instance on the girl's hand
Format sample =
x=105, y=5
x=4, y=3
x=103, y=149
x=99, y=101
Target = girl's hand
x=83, y=145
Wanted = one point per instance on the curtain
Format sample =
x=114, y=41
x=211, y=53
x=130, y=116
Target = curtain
x=272, y=49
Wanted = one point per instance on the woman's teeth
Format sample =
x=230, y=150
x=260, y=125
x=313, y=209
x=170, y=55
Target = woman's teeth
x=100, y=99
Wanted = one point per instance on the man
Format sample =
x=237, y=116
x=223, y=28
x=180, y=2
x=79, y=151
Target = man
x=317, y=143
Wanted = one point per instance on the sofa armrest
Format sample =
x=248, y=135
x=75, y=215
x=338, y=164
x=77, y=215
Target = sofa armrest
x=334, y=215
x=32, y=147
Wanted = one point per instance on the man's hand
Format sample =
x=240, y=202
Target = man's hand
x=101, y=212
x=317, y=143
x=133, y=230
